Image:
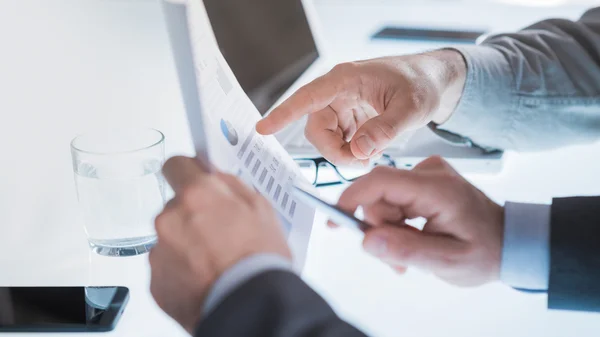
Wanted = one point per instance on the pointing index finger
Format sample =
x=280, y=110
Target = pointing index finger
x=310, y=98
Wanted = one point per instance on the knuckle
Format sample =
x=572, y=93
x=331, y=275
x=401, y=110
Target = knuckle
x=161, y=222
x=442, y=163
x=344, y=67
x=161, y=218
x=381, y=170
x=162, y=230
x=436, y=159
x=198, y=221
x=192, y=196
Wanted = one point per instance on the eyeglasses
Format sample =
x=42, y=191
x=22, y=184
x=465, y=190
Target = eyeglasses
x=310, y=168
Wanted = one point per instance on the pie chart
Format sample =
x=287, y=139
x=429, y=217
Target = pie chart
x=229, y=132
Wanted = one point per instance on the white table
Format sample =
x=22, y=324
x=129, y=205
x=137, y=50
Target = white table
x=49, y=94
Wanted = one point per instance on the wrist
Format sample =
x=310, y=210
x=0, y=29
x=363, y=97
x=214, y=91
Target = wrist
x=450, y=80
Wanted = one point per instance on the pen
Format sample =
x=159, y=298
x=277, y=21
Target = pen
x=335, y=214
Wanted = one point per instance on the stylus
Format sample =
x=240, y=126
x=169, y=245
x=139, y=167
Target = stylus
x=335, y=214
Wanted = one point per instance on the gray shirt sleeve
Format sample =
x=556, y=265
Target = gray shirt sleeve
x=535, y=89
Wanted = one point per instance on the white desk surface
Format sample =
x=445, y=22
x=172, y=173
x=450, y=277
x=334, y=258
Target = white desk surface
x=49, y=95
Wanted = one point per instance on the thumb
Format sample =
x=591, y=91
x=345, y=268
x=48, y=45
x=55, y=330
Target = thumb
x=409, y=247
x=375, y=135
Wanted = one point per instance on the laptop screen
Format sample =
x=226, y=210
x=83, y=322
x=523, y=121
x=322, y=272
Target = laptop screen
x=267, y=43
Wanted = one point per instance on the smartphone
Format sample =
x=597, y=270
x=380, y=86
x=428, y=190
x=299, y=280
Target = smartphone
x=429, y=35
x=61, y=309
x=335, y=214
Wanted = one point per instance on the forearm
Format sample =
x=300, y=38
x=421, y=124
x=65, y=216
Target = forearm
x=536, y=89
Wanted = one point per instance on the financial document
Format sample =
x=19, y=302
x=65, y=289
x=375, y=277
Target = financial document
x=222, y=120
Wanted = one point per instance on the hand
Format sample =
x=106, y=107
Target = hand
x=462, y=240
x=358, y=108
x=213, y=222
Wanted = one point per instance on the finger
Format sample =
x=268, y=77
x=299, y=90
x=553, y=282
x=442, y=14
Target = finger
x=166, y=256
x=170, y=206
x=399, y=269
x=183, y=171
x=382, y=212
x=238, y=188
x=376, y=133
x=401, y=246
x=416, y=194
x=331, y=224
x=310, y=98
x=166, y=221
x=322, y=130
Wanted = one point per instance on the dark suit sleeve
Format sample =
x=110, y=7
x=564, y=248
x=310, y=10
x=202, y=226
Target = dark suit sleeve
x=274, y=304
x=575, y=254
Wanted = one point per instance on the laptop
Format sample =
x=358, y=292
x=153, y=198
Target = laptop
x=276, y=46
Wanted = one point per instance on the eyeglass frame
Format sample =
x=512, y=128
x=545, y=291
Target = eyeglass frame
x=319, y=161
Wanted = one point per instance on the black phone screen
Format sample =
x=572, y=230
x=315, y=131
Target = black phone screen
x=428, y=34
x=61, y=308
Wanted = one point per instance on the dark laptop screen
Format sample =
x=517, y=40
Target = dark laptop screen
x=267, y=43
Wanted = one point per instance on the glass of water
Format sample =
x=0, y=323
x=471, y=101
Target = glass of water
x=120, y=188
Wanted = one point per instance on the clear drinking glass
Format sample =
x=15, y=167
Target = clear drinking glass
x=120, y=188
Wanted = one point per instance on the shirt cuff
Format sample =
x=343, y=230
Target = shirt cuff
x=526, y=251
x=241, y=272
x=483, y=114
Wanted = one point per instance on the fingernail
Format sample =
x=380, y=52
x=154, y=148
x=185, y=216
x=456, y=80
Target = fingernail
x=376, y=246
x=366, y=145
